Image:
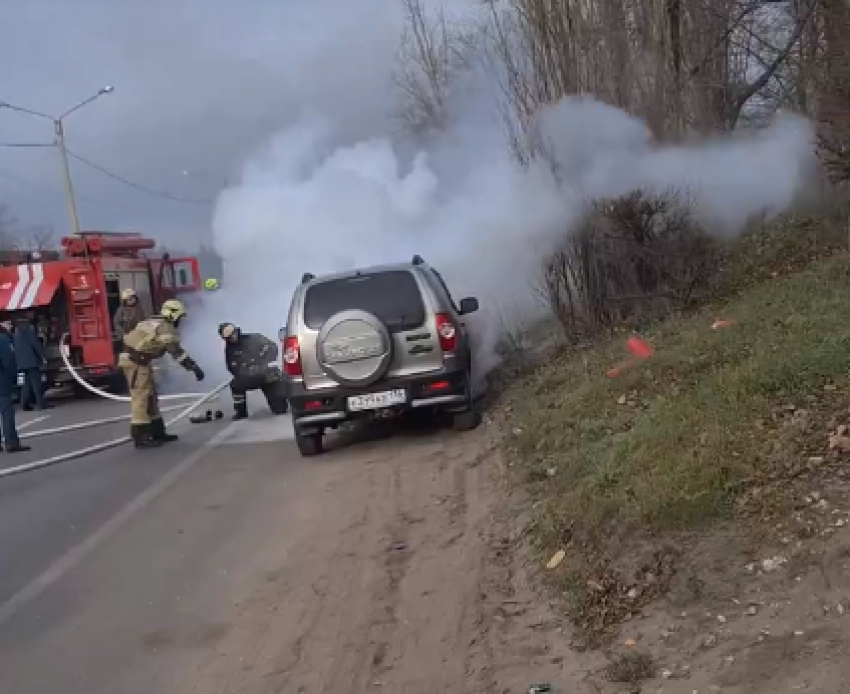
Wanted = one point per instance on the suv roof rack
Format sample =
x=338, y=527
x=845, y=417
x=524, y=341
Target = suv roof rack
x=417, y=260
x=307, y=277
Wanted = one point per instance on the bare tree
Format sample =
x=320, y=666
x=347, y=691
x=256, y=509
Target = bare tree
x=431, y=54
x=9, y=229
x=41, y=237
x=833, y=91
x=681, y=65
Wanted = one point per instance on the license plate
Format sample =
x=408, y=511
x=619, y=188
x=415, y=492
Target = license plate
x=376, y=401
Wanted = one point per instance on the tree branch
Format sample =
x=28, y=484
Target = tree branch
x=771, y=69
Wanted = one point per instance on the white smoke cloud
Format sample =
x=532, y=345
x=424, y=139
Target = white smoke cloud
x=319, y=197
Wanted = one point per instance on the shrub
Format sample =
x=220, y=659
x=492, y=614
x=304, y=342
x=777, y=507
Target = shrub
x=631, y=259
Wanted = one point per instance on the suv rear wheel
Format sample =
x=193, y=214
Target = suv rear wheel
x=470, y=418
x=309, y=444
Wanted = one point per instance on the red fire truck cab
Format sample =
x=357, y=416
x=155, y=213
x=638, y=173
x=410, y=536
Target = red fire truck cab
x=78, y=289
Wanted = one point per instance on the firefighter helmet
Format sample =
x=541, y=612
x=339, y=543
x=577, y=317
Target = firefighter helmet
x=128, y=293
x=173, y=310
x=211, y=284
x=228, y=330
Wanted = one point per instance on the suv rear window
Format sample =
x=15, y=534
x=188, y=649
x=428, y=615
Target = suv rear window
x=392, y=296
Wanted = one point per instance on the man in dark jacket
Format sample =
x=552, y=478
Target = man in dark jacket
x=248, y=358
x=8, y=381
x=29, y=353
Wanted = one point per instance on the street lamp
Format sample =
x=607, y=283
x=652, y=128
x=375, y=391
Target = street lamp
x=59, y=130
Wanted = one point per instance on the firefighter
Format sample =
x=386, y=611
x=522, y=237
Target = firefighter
x=247, y=357
x=128, y=315
x=150, y=340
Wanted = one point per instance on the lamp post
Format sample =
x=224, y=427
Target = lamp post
x=59, y=131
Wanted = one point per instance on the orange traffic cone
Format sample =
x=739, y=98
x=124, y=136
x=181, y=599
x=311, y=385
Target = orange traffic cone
x=639, y=348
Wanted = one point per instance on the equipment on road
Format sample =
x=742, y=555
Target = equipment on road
x=206, y=417
x=77, y=290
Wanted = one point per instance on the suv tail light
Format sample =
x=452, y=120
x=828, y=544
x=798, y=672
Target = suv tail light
x=446, y=332
x=291, y=357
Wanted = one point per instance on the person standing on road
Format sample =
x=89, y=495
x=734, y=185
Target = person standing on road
x=150, y=340
x=8, y=382
x=29, y=353
x=129, y=313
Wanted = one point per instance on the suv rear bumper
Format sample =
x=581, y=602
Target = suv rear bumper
x=442, y=389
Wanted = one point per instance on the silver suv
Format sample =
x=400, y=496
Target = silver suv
x=373, y=342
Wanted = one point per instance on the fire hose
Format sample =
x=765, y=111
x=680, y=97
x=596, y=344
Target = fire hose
x=65, y=354
x=201, y=398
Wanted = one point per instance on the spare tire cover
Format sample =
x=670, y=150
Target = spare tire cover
x=355, y=348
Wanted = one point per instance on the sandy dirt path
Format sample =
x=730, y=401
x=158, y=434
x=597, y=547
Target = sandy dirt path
x=397, y=578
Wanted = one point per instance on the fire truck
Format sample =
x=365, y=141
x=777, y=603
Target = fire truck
x=76, y=291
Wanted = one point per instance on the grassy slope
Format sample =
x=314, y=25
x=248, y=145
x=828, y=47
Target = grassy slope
x=667, y=445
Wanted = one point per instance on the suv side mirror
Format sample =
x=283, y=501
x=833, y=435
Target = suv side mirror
x=468, y=305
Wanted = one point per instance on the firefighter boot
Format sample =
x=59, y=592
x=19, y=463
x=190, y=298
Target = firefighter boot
x=142, y=437
x=240, y=410
x=158, y=431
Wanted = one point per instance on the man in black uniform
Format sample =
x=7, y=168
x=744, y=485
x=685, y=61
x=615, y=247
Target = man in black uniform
x=248, y=358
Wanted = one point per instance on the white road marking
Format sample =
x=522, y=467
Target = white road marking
x=30, y=422
x=91, y=423
x=74, y=556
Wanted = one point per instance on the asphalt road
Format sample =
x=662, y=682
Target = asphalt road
x=68, y=411
x=56, y=520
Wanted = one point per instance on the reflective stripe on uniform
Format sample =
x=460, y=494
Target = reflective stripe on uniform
x=239, y=399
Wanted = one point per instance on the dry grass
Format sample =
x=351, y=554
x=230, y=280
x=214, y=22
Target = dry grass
x=630, y=668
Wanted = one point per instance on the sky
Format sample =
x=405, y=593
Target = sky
x=197, y=85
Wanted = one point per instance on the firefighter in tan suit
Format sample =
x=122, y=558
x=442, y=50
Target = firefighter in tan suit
x=129, y=313
x=150, y=340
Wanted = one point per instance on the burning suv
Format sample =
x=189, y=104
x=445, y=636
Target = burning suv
x=372, y=342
